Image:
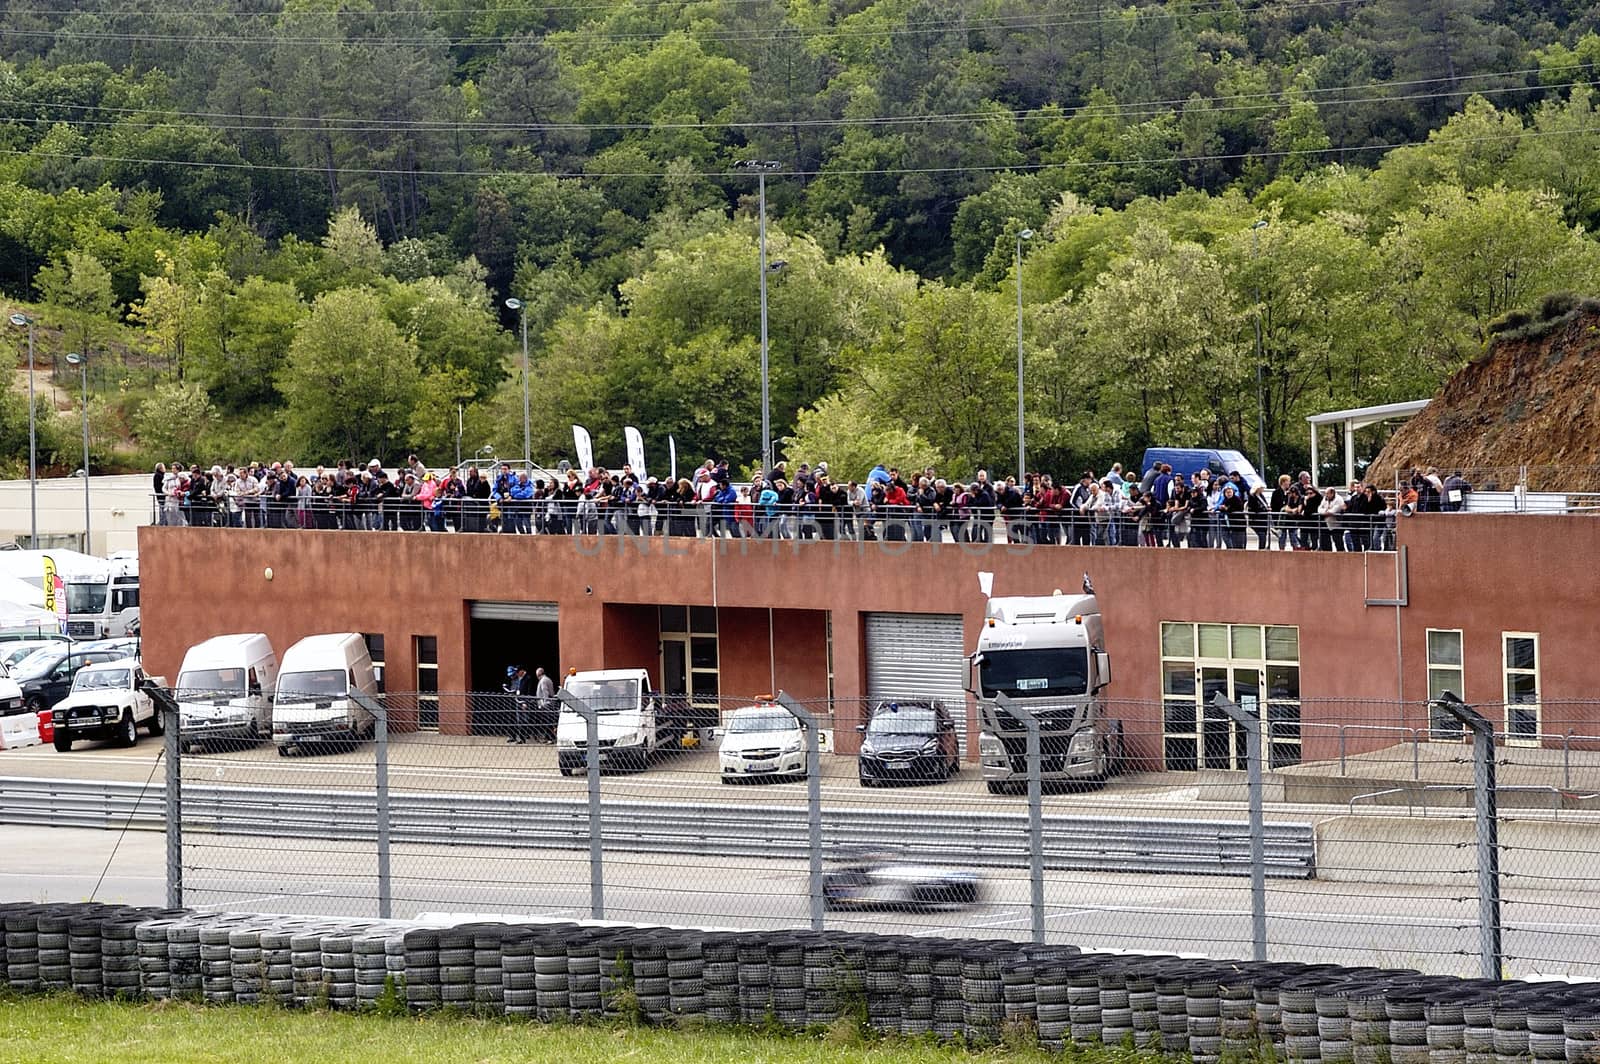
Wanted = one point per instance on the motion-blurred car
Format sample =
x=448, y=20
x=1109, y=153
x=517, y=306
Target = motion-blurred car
x=762, y=741
x=870, y=879
x=907, y=742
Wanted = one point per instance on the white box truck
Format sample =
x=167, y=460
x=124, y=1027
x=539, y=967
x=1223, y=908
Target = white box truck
x=225, y=689
x=632, y=724
x=1048, y=654
x=327, y=693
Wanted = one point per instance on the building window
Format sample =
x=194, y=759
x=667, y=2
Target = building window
x=426, y=655
x=827, y=622
x=689, y=657
x=1521, y=656
x=1257, y=667
x=374, y=641
x=1445, y=675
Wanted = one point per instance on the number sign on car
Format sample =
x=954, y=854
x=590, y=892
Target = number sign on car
x=1038, y=684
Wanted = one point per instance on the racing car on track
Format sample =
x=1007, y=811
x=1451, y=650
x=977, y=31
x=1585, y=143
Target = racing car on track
x=878, y=879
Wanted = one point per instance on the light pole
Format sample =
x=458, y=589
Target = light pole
x=22, y=321
x=1022, y=449
x=761, y=167
x=1261, y=400
x=527, y=439
x=82, y=362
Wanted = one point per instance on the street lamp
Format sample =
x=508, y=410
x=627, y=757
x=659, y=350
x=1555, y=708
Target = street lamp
x=22, y=321
x=1022, y=452
x=1261, y=400
x=527, y=439
x=82, y=362
x=761, y=167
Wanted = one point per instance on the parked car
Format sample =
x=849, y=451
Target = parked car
x=45, y=676
x=874, y=879
x=762, y=741
x=11, y=653
x=10, y=694
x=106, y=702
x=908, y=742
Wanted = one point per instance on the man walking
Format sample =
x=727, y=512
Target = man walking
x=548, y=713
x=516, y=688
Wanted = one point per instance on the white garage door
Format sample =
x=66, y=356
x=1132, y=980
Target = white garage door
x=919, y=655
x=544, y=612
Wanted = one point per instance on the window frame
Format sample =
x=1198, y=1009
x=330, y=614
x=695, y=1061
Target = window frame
x=1442, y=727
x=1507, y=670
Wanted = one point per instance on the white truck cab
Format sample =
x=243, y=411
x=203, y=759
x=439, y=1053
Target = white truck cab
x=225, y=689
x=327, y=693
x=106, y=702
x=630, y=720
x=1048, y=653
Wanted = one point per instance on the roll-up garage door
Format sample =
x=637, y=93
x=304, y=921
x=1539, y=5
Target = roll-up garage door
x=919, y=655
x=545, y=612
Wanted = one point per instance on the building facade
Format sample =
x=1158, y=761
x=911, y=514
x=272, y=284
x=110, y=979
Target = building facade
x=1496, y=608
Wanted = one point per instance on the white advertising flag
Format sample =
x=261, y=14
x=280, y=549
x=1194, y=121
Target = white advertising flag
x=635, y=451
x=986, y=584
x=672, y=452
x=585, y=448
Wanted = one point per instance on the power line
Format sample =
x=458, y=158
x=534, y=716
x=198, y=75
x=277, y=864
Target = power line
x=1141, y=109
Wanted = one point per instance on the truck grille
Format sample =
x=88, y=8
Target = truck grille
x=81, y=629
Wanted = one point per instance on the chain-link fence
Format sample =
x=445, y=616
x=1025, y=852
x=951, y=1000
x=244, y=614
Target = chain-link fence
x=1139, y=826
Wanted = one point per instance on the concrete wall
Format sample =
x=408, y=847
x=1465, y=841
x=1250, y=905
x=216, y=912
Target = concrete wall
x=1441, y=851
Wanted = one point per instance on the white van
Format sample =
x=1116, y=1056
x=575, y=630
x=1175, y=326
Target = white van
x=327, y=691
x=631, y=726
x=225, y=689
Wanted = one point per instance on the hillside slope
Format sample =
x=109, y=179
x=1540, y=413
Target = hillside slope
x=1533, y=400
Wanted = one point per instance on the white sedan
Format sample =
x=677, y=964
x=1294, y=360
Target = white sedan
x=762, y=741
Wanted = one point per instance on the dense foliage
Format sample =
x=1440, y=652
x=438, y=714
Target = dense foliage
x=306, y=215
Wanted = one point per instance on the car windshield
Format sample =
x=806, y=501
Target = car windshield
x=1047, y=670
x=903, y=720
x=39, y=662
x=310, y=686
x=197, y=682
x=761, y=719
x=102, y=679
x=606, y=696
x=11, y=655
x=86, y=598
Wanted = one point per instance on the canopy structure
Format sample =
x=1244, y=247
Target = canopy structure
x=20, y=617
x=1351, y=420
x=14, y=590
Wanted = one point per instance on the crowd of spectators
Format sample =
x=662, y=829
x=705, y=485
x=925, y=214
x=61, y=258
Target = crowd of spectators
x=1161, y=508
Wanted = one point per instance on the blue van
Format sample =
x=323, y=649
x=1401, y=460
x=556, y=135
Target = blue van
x=1190, y=460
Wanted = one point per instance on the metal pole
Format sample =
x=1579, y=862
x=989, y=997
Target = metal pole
x=813, y=805
x=1261, y=401
x=1035, y=754
x=83, y=366
x=33, y=451
x=527, y=434
x=1022, y=448
x=1258, y=829
x=591, y=720
x=172, y=748
x=766, y=412
x=381, y=769
x=1488, y=831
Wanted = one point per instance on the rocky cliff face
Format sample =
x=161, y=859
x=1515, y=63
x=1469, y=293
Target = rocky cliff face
x=1533, y=400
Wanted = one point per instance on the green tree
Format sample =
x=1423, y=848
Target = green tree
x=242, y=337
x=78, y=290
x=172, y=422
x=350, y=383
x=852, y=432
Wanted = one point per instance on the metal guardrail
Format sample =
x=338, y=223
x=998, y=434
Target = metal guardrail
x=995, y=840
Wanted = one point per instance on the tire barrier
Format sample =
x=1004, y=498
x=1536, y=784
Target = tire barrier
x=978, y=991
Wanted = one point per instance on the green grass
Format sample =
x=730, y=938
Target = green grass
x=62, y=1029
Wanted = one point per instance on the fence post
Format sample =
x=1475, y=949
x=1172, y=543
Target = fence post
x=381, y=785
x=1484, y=804
x=813, y=805
x=1258, y=829
x=172, y=748
x=1035, y=755
x=597, y=882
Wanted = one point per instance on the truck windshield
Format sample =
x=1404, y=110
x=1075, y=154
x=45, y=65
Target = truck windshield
x=310, y=686
x=606, y=696
x=197, y=683
x=1041, y=671
x=100, y=679
x=86, y=598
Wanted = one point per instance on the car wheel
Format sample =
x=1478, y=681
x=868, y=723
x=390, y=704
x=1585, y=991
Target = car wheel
x=565, y=771
x=283, y=749
x=36, y=705
x=154, y=726
x=867, y=781
x=63, y=743
x=952, y=768
x=999, y=787
x=127, y=730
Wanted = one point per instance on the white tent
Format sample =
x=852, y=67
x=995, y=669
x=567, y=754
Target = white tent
x=14, y=590
x=19, y=616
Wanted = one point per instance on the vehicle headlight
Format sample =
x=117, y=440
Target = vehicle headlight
x=793, y=744
x=566, y=743
x=867, y=749
x=990, y=746
x=931, y=746
x=1083, y=742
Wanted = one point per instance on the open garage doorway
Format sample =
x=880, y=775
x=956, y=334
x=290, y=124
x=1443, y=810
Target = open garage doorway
x=503, y=634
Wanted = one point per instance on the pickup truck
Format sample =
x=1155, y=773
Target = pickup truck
x=106, y=702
